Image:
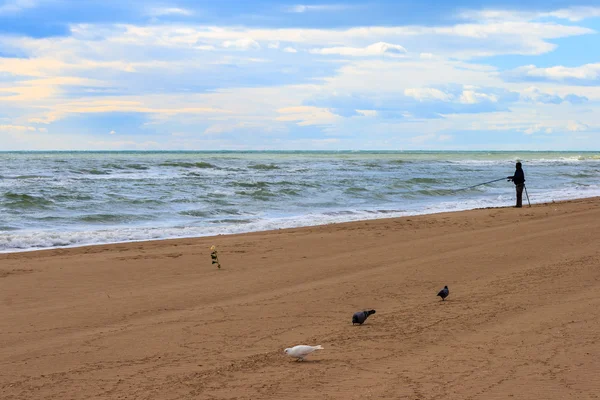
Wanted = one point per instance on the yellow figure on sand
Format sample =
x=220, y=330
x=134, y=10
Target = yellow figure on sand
x=214, y=256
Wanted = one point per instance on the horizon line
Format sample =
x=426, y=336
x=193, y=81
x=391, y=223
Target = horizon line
x=295, y=150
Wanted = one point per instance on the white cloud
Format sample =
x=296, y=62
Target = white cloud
x=217, y=129
x=535, y=95
x=258, y=126
x=367, y=113
x=556, y=126
x=165, y=11
x=290, y=50
x=473, y=97
x=574, y=126
x=273, y=45
x=488, y=38
x=18, y=128
x=584, y=72
x=533, y=129
x=541, y=30
x=112, y=132
x=305, y=115
x=542, y=118
x=376, y=49
x=573, y=14
x=242, y=44
x=16, y=6
x=491, y=15
x=424, y=94
x=301, y=8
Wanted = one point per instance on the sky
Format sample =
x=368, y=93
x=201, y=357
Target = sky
x=312, y=75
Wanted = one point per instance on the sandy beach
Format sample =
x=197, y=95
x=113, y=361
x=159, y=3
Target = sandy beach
x=155, y=320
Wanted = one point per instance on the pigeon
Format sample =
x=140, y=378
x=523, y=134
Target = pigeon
x=361, y=316
x=301, y=351
x=444, y=293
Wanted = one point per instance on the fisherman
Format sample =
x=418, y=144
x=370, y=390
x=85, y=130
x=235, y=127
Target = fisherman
x=519, y=180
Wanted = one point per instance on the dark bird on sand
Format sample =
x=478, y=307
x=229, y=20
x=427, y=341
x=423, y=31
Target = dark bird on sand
x=361, y=316
x=444, y=293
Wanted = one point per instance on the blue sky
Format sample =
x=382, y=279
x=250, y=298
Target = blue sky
x=240, y=75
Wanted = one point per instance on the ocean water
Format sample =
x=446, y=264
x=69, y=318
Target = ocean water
x=58, y=199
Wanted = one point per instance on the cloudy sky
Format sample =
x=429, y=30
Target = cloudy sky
x=266, y=74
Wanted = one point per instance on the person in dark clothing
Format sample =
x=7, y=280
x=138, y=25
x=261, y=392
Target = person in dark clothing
x=519, y=180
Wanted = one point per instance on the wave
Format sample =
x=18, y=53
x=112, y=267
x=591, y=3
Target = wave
x=27, y=177
x=260, y=194
x=264, y=167
x=71, y=197
x=290, y=192
x=339, y=213
x=26, y=201
x=138, y=167
x=399, y=162
x=222, y=202
x=295, y=184
x=92, y=171
x=589, y=157
x=259, y=184
x=583, y=175
x=435, y=192
x=230, y=221
x=112, y=218
x=355, y=189
x=371, y=165
x=528, y=161
x=426, y=180
x=210, y=213
x=181, y=164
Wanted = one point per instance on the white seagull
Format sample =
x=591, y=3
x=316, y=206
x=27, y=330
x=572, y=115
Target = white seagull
x=301, y=351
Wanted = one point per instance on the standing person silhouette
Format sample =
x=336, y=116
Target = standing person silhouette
x=519, y=180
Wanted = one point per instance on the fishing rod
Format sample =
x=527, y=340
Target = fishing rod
x=527, y=194
x=480, y=184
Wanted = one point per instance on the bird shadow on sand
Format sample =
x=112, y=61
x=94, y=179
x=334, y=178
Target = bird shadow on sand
x=453, y=301
x=310, y=362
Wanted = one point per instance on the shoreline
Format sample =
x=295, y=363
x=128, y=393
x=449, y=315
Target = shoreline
x=133, y=242
x=156, y=319
x=67, y=202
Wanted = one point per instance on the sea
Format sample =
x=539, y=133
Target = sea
x=67, y=199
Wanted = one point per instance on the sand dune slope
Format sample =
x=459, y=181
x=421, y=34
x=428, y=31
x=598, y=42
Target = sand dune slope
x=155, y=320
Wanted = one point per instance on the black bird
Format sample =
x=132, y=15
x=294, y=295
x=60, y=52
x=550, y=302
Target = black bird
x=361, y=316
x=444, y=293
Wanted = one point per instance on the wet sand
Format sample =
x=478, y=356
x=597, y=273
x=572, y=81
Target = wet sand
x=155, y=320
